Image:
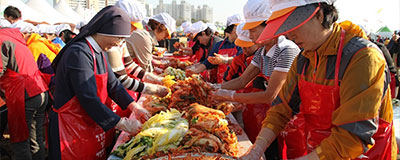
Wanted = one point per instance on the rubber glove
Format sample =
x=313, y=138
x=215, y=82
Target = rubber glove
x=264, y=139
x=131, y=126
x=158, y=90
x=214, y=85
x=140, y=113
x=218, y=59
x=224, y=95
x=151, y=78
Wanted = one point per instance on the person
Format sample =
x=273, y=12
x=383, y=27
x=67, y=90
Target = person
x=39, y=45
x=336, y=91
x=79, y=118
x=242, y=61
x=25, y=94
x=205, y=42
x=12, y=14
x=223, y=52
x=269, y=68
x=67, y=35
x=123, y=66
x=59, y=29
x=142, y=41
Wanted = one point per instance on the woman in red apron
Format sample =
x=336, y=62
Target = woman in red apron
x=205, y=42
x=334, y=116
x=25, y=95
x=80, y=119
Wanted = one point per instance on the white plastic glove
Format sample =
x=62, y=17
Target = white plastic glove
x=140, y=113
x=214, y=85
x=224, y=95
x=151, y=78
x=131, y=126
x=152, y=89
x=264, y=139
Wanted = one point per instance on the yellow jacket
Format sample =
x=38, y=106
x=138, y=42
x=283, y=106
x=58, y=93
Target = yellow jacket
x=37, y=45
x=361, y=92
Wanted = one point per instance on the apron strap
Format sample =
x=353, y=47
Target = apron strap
x=339, y=57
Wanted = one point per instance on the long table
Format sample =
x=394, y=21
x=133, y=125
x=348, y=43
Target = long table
x=243, y=141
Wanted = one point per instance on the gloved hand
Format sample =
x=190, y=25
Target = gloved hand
x=131, y=126
x=218, y=59
x=152, y=89
x=151, y=78
x=224, y=95
x=214, y=85
x=140, y=113
x=264, y=139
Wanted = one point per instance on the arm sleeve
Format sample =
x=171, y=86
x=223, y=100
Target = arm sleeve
x=286, y=58
x=355, y=119
x=215, y=49
x=256, y=59
x=142, y=50
x=116, y=91
x=6, y=49
x=120, y=72
x=82, y=79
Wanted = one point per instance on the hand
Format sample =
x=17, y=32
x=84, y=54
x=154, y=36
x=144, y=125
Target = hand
x=218, y=59
x=224, y=95
x=189, y=71
x=252, y=153
x=158, y=90
x=214, y=85
x=140, y=113
x=131, y=126
x=151, y=78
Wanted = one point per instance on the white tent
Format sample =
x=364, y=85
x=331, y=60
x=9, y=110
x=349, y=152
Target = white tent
x=26, y=11
x=67, y=11
x=85, y=13
x=45, y=8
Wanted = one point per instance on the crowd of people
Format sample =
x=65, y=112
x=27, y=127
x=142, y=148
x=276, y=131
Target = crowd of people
x=311, y=87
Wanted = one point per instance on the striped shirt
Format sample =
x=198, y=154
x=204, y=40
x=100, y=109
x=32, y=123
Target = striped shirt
x=125, y=69
x=279, y=57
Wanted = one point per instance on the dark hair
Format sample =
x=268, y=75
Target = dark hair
x=207, y=31
x=67, y=35
x=156, y=26
x=264, y=23
x=229, y=28
x=12, y=11
x=330, y=14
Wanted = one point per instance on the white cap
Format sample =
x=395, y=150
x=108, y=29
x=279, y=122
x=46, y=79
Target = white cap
x=256, y=11
x=234, y=19
x=135, y=9
x=62, y=27
x=167, y=20
x=186, y=24
x=282, y=4
x=198, y=27
x=212, y=27
x=243, y=35
x=4, y=23
x=188, y=30
x=24, y=27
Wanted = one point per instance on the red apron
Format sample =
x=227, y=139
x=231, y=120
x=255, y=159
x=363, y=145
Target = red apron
x=318, y=121
x=85, y=139
x=14, y=85
x=254, y=114
x=228, y=52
